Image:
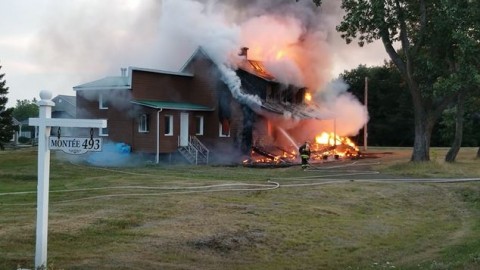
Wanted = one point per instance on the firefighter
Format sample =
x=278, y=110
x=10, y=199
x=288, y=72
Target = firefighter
x=304, y=151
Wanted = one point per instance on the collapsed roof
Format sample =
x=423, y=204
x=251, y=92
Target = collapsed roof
x=291, y=109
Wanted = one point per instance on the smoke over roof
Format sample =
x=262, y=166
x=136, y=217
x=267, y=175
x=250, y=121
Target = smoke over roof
x=291, y=38
x=296, y=40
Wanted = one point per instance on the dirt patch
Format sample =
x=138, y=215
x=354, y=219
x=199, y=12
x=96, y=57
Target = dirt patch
x=227, y=242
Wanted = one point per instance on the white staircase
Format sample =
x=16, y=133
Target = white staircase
x=195, y=152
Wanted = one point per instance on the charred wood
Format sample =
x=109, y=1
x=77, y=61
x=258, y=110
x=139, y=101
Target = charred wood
x=263, y=152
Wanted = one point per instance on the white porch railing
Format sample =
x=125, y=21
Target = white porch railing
x=196, y=152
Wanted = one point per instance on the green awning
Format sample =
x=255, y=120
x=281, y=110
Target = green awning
x=181, y=106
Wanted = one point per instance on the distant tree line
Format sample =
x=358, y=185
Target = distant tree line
x=391, y=114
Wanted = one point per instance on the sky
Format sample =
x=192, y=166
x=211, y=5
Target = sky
x=55, y=45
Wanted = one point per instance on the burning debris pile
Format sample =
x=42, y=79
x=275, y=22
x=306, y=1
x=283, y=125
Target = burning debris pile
x=326, y=146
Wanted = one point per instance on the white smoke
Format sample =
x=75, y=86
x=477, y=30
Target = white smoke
x=235, y=85
x=296, y=41
x=187, y=24
x=291, y=38
x=88, y=37
x=343, y=107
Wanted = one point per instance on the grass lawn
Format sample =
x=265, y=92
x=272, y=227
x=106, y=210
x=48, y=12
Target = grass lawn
x=233, y=217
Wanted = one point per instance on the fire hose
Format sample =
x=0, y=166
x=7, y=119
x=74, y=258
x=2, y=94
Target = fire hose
x=272, y=184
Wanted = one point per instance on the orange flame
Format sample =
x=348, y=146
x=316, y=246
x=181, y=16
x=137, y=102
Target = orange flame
x=332, y=139
x=308, y=96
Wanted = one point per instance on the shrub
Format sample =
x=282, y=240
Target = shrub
x=23, y=140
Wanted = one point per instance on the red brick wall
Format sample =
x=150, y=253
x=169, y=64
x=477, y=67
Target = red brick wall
x=119, y=118
x=201, y=88
x=173, y=88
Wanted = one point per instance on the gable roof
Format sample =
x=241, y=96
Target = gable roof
x=15, y=122
x=197, y=52
x=180, y=73
x=122, y=82
x=183, y=106
x=70, y=99
x=65, y=106
x=107, y=83
x=254, y=67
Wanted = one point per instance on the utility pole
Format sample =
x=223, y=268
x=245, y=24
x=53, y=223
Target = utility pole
x=365, y=132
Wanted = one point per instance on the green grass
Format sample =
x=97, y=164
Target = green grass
x=342, y=225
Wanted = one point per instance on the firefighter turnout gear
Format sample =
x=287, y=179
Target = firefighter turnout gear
x=305, y=152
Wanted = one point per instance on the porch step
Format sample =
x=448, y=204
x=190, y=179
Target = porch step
x=195, y=152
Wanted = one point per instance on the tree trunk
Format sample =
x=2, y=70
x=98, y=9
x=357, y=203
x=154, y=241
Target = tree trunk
x=423, y=126
x=457, y=141
x=423, y=133
x=478, y=153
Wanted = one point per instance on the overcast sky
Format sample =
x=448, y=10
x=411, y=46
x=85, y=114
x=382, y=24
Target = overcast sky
x=55, y=45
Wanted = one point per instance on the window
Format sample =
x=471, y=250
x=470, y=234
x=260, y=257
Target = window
x=143, y=123
x=168, y=125
x=224, y=128
x=103, y=132
x=199, y=125
x=102, y=101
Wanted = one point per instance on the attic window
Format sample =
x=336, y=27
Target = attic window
x=102, y=101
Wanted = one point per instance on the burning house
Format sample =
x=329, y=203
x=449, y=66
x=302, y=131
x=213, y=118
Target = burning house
x=205, y=112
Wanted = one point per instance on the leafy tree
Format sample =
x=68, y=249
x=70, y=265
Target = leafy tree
x=389, y=108
x=25, y=109
x=6, y=127
x=390, y=111
x=464, y=65
x=470, y=120
x=447, y=126
x=434, y=38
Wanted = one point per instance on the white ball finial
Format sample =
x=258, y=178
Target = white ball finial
x=45, y=95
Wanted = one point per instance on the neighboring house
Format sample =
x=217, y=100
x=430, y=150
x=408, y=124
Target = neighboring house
x=65, y=107
x=192, y=111
x=26, y=132
x=16, y=134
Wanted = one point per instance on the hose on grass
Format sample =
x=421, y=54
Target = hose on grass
x=272, y=184
x=168, y=191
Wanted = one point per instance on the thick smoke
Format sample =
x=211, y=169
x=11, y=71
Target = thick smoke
x=296, y=40
x=340, y=105
x=234, y=84
x=291, y=38
x=84, y=38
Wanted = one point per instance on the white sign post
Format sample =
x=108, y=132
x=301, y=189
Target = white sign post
x=45, y=122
